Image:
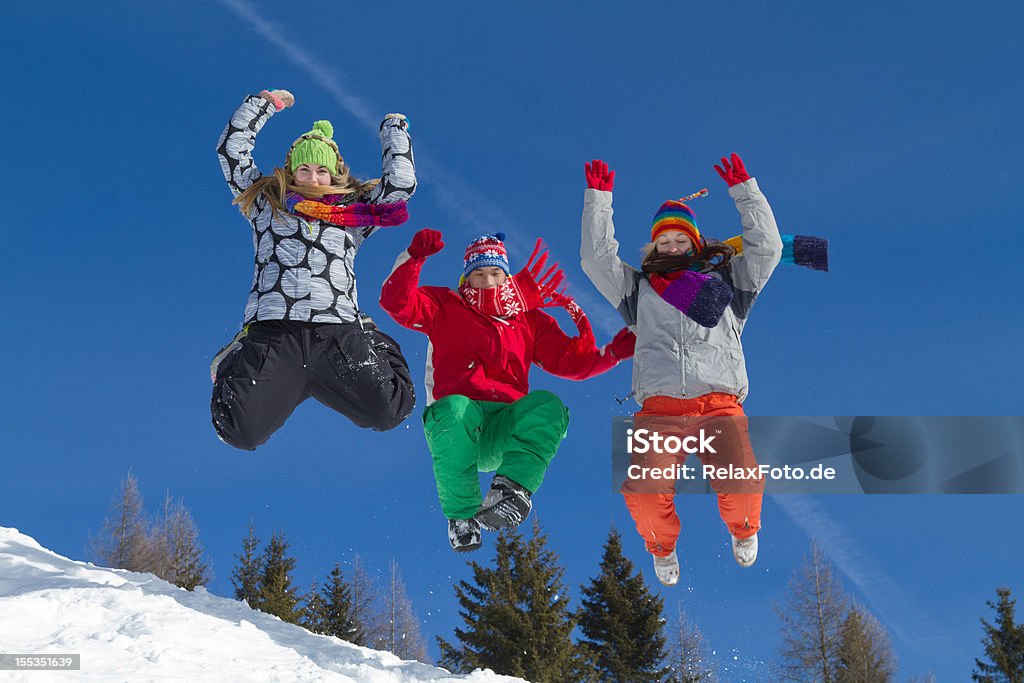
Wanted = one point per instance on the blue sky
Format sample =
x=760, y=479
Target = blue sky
x=893, y=130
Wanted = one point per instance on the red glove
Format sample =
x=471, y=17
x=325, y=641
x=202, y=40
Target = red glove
x=540, y=288
x=425, y=243
x=584, y=344
x=623, y=345
x=735, y=174
x=598, y=176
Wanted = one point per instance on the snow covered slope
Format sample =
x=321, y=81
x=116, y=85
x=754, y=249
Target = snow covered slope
x=136, y=627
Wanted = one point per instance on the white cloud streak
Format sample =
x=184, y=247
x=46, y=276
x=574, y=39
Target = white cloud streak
x=886, y=598
x=471, y=208
x=331, y=80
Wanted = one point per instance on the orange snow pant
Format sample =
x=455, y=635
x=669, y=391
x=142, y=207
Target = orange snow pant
x=655, y=512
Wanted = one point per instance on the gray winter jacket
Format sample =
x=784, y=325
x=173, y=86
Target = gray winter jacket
x=305, y=269
x=675, y=356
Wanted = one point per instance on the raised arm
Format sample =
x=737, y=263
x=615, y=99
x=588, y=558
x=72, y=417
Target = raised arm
x=575, y=357
x=599, y=250
x=762, y=245
x=234, y=148
x=409, y=304
x=398, y=176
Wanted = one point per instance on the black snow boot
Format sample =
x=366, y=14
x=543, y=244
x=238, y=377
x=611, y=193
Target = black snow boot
x=464, y=535
x=506, y=505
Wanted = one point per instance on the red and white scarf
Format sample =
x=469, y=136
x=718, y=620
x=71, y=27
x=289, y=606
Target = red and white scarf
x=503, y=301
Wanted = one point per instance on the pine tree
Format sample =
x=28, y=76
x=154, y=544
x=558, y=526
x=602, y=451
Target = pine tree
x=277, y=594
x=811, y=622
x=339, y=612
x=191, y=568
x=1004, y=644
x=516, y=615
x=247, y=575
x=125, y=541
x=314, y=610
x=402, y=636
x=688, y=653
x=622, y=621
x=865, y=652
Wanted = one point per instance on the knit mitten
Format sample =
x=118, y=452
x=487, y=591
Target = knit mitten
x=279, y=98
x=425, y=243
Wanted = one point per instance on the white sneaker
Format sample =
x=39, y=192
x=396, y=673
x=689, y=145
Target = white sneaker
x=745, y=550
x=667, y=569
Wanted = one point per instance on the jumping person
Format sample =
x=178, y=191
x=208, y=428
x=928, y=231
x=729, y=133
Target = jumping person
x=688, y=304
x=303, y=333
x=484, y=337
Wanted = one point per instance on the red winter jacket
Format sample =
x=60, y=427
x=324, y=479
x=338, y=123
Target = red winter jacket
x=479, y=356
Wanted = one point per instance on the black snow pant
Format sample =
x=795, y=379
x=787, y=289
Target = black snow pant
x=359, y=372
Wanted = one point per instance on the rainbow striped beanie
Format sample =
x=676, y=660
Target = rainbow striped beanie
x=484, y=251
x=674, y=215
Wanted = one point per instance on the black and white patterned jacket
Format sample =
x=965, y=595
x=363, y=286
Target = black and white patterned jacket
x=305, y=268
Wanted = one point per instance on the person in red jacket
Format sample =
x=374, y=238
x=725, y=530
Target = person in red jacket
x=481, y=415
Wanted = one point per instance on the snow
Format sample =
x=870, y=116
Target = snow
x=136, y=627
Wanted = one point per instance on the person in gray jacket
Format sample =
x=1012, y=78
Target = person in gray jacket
x=687, y=305
x=303, y=334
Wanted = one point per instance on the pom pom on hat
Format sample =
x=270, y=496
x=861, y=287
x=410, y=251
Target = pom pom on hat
x=322, y=128
x=486, y=251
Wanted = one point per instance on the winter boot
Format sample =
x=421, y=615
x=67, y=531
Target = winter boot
x=506, y=505
x=667, y=569
x=745, y=550
x=464, y=535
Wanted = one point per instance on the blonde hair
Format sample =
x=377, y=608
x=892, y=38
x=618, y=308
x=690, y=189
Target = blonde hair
x=274, y=188
x=647, y=250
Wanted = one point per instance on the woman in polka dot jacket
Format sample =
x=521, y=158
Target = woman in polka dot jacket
x=303, y=334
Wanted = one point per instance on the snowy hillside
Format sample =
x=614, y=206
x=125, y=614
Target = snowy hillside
x=136, y=627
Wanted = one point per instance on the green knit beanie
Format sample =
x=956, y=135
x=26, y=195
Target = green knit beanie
x=316, y=148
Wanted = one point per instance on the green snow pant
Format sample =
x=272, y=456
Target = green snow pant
x=517, y=440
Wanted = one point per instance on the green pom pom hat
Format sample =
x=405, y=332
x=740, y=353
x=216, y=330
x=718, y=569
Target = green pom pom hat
x=316, y=148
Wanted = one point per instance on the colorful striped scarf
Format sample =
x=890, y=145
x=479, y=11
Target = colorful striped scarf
x=355, y=215
x=799, y=250
x=702, y=298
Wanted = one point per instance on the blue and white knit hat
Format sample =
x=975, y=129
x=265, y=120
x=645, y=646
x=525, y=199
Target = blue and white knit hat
x=485, y=251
